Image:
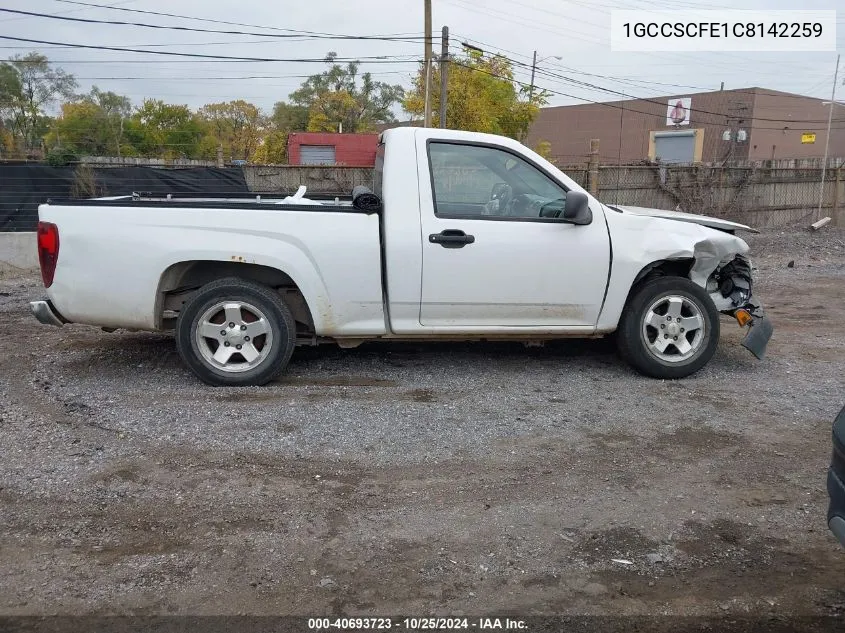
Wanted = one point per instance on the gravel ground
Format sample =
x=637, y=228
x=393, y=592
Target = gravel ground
x=451, y=478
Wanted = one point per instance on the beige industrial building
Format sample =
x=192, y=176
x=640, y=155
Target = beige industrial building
x=725, y=125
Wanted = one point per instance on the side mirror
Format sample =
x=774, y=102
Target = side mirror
x=576, y=210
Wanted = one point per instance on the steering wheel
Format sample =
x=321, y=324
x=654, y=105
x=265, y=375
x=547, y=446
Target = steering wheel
x=501, y=198
x=519, y=206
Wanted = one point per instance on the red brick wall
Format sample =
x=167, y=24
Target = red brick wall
x=355, y=150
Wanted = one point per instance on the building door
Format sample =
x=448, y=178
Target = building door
x=675, y=147
x=317, y=155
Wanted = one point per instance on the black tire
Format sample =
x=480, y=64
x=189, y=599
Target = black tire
x=632, y=341
x=270, y=303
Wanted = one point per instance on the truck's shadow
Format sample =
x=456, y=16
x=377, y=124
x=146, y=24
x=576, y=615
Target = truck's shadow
x=393, y=352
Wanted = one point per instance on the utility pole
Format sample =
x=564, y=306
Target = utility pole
x=428, y=55
x=534, y=69
x=827, y=139
x=444, y=74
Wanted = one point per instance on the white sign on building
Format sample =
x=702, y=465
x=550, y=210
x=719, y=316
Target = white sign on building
x=678, y=111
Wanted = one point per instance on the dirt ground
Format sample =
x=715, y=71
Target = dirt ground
x=427, y=479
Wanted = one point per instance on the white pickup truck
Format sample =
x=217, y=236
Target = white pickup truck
x=466, y=236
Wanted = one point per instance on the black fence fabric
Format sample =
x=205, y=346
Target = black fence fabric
x=24, y=187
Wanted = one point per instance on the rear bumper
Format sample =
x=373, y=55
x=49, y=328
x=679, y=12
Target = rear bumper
x=46, y=313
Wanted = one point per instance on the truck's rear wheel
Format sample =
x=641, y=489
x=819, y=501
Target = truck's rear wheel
x=233, y=332
x=669, y=329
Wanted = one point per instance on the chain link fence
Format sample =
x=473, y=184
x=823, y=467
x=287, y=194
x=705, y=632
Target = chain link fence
x=768, y=195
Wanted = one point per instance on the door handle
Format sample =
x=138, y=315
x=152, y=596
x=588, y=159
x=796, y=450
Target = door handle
x=451, y=238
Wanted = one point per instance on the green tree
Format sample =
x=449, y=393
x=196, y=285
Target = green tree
x=273, y=149
x=30, y=84
x=92, y=125
x=163, y=130
x=287, y=117
x=273, y=145
x=10, y=89
x=79, y=127
x=236, y=125
x=339, y=97
x=115, y=110
x=482, y=96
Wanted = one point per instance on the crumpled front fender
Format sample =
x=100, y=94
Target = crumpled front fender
x=640, y=241
x=719, y=265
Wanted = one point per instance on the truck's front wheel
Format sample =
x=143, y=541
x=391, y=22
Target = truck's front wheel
x=670, y=328
x=233, y=332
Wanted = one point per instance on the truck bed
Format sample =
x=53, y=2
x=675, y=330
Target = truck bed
x=247, y=201
x=118, y=257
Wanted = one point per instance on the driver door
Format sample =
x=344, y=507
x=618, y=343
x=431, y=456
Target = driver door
x=489, y=260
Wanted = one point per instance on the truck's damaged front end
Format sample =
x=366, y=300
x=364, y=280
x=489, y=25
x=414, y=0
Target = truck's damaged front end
x=730, y=287
x=667, y=241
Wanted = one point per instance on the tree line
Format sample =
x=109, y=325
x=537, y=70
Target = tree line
x=482, y=96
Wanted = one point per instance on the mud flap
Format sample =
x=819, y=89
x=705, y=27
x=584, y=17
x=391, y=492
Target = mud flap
x=759, y=333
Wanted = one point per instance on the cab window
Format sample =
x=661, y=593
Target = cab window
x=484, y=182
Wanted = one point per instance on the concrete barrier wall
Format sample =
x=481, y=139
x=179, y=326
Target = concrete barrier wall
x=322, y=180
x=17, y=252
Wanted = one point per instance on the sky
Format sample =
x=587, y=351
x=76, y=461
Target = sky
x=576, y=31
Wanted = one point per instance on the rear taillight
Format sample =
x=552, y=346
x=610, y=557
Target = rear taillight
x=48, y=251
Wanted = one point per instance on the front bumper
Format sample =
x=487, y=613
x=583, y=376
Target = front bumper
x=46, y=313
x=836, y=480
x=735, y=283
x=759, y=332
x=759, y=327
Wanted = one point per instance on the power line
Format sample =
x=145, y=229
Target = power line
x=292, y=34
x=613, y=78
x=606, y=104
x=55, y=62
x=597, y=87
x=70, y=11
x=196, y=19
x=581, y=72
x=371, y=59
x=236, y=78
x=295, y=38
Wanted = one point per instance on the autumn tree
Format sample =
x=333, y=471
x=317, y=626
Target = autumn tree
x=163, y=130
x=237, y=126
x=340, y=98
x=114, y=112
x=482, y=96
x=79, y=128
x=93, y=124
x=287, y=117
x=29, y=85
x=9, y=89
x=273, y=148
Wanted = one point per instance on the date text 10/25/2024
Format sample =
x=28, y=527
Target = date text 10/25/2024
x=416, y=624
